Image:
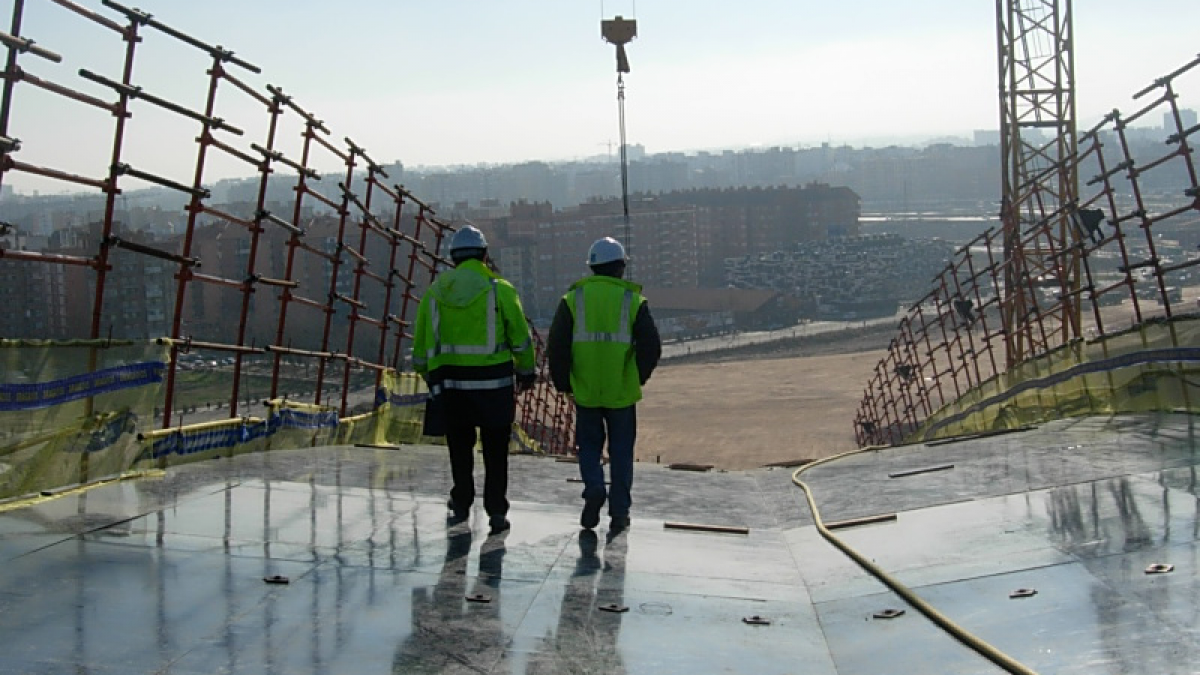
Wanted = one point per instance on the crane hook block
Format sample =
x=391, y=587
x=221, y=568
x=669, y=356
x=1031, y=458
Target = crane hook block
x=619, y=31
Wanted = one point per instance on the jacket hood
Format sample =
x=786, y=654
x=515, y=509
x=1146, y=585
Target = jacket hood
x=462, y=285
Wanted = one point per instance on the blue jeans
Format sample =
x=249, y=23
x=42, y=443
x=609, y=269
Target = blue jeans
x=619, y=426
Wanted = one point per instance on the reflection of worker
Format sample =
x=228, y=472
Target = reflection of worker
x=470, y=337
x=603, y=346
x=590, y=614
x=436, y=610
x=446, y=611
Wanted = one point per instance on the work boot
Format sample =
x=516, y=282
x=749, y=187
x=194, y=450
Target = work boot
x=618, y=524
x=587, y=545
x=590, y=517
x=498, y=524
x=457, y=515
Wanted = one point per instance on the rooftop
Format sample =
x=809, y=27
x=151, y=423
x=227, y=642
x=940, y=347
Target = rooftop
x=340, y=560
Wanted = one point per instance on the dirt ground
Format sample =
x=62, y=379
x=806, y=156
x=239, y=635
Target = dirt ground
x=781, y=403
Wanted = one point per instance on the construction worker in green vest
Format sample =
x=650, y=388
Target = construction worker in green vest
x=472, y=345
x=602, y=348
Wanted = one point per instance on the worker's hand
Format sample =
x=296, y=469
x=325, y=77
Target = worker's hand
x=525, y=382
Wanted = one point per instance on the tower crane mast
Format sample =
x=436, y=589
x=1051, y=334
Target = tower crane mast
x=1039, y=185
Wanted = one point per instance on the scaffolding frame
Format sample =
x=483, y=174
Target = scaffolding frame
x=373, y=230
x=1083, y=267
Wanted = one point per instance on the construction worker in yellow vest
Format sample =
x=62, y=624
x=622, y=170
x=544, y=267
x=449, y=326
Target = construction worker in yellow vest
x=472, y=345
x=603, y=346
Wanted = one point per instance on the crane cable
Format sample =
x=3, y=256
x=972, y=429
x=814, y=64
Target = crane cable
x=961, y=634
x=624, y=163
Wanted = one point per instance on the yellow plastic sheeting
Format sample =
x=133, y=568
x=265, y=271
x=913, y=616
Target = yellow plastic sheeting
x=1154, y=367
x=396, y=419
x=73, y=412
x=70, y=411
x=523, y=443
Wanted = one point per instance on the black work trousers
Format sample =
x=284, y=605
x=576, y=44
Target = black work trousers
x=472, y=416
x=461, y=440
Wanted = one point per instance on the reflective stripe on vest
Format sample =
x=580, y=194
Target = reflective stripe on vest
x=471, y=385
x=623, y=335
x=491, y=347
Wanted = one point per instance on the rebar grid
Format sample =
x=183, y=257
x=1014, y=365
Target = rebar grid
x=1109, y=277
x=332, y=264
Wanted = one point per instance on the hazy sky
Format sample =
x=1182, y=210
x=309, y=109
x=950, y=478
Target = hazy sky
x=491, y=81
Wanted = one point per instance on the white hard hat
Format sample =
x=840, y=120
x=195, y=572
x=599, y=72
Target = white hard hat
x=467, y=237
x=605, y=250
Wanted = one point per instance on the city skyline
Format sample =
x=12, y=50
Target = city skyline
x=490, y=83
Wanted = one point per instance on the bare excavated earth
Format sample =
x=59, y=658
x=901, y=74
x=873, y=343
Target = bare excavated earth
x=778, y=403
x=768, y=404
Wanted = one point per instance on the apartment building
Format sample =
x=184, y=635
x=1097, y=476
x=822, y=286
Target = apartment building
x=674, y=240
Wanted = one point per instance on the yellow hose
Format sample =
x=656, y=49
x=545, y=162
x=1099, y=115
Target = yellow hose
x=963, y=635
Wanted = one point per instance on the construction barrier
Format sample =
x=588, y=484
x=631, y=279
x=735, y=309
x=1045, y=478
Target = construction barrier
x=1154, y=367
x=78, y=412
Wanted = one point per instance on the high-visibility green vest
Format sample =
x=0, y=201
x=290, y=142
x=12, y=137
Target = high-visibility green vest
x=604, y=370
x=471, y=317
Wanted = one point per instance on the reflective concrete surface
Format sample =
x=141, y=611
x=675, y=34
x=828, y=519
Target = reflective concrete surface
x=341, y=560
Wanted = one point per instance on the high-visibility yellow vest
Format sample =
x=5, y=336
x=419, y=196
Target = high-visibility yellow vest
x=604, y=370
x=471, y=317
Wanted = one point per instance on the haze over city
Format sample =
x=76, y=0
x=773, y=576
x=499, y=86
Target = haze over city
x=475, y=82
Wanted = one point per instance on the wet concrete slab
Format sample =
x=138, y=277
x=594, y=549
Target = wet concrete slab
x=342, y=560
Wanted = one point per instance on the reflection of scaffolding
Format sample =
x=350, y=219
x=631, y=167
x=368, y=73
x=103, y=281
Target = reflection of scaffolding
x=1001, y=313
x=374, y=225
